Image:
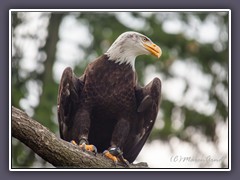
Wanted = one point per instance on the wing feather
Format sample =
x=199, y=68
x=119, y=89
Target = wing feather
x=70, y=89
x=148, y=99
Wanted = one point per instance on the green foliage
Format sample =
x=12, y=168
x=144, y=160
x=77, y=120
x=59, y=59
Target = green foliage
x=105, y=28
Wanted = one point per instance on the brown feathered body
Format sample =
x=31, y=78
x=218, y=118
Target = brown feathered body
x=109, y=94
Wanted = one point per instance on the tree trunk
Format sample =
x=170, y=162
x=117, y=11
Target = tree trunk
x=53, y=149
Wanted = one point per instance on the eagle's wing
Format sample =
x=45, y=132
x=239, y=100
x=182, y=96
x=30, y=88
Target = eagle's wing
x=70, y=89
x=148, y=99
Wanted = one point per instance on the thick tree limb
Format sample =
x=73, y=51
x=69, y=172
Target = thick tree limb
x=53, y=149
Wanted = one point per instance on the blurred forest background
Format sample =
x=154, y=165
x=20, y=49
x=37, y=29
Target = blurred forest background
x=194, y=69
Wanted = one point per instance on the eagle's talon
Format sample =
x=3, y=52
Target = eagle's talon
x=126, y=163
x=83, y=147
x=108, y=155
x=116, y=155
x=86, y=147
x=73, y=142
x=89, y=147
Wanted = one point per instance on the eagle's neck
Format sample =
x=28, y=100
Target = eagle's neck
x=121, y=56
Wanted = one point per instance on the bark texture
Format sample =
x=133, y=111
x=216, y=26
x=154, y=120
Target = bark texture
x=53, y=149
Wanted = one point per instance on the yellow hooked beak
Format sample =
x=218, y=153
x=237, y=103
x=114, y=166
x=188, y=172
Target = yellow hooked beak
x=153, y=49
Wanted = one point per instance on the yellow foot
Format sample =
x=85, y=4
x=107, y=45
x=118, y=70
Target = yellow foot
x=86, y=147
x=108, y=155
x=115, y=154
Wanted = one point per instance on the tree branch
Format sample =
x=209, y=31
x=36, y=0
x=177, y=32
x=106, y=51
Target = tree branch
x=53, y=149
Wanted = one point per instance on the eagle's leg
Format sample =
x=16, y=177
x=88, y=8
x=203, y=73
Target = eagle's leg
x=82, y=120
x=119, y=136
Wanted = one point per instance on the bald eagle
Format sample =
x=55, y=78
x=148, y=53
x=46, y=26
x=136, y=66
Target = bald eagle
x=105, y=109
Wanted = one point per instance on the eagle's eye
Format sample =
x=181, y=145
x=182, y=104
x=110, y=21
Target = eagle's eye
x=145, y=39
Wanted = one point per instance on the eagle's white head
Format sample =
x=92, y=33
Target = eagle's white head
x=129, y=45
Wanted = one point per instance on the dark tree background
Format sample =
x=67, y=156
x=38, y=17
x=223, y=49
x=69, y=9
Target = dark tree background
x=194, y=71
